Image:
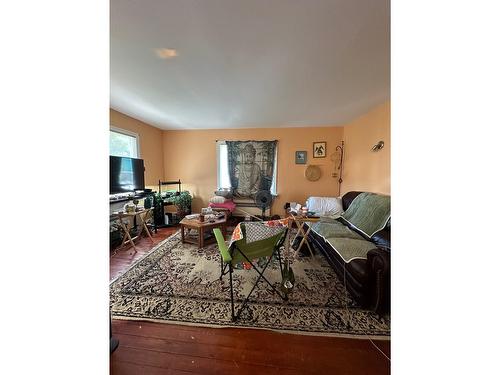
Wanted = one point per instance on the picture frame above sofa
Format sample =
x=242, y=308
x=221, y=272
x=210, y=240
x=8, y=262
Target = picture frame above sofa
x=319, y=149
x=300, y=157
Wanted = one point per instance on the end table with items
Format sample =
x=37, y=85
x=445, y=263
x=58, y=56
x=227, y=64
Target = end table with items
x=127, y=221
x=300, y=219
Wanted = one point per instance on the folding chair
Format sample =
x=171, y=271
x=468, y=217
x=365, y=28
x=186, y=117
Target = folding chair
x=241, y=251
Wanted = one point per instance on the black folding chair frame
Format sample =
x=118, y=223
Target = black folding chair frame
x=276, y=251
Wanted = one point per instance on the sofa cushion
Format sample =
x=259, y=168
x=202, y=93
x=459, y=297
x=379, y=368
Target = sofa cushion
x=347, y=243
x=329, y=229
x=351, y=248
x=369, y=213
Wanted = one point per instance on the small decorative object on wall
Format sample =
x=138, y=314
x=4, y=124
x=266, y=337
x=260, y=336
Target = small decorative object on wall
x=312, y=173
x=340, y=150
x=319, y=149
x=379, y=146
x=300, y=157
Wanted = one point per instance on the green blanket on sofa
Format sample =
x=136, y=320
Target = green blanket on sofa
x=347, y=243
x=369, y=212
x=334, y=229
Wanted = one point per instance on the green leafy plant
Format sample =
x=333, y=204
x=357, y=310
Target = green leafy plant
x=157, y=199
x=182, y=201
x=158, y=208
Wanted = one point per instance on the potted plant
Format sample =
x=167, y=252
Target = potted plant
x=158, y=209
x=182, y=201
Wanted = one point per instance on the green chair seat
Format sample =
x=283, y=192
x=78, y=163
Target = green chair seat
x=241, y=251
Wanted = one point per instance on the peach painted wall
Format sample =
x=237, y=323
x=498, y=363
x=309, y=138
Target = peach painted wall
x=150, y=143
x=191, y=156
x=365, y=170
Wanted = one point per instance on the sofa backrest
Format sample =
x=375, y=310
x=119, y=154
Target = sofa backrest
x=347, y=198
x=382, y=238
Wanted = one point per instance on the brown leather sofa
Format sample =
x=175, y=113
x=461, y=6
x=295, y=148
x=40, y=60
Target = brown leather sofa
x=367, y=280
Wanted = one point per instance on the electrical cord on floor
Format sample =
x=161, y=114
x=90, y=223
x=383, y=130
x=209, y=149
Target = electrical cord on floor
x=349, y=323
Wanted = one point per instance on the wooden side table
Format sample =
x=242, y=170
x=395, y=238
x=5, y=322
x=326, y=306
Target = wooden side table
x=300, y=221
x=125, y=220
x=201, y=228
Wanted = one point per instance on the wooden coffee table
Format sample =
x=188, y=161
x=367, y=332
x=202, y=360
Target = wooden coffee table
x=201, y=228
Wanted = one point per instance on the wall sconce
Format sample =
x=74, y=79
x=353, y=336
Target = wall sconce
x=379, y=146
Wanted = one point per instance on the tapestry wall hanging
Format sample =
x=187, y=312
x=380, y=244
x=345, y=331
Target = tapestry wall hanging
x=251, y=166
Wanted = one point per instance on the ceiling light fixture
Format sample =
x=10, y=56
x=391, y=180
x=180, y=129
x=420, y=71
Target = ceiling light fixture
x=166, y=53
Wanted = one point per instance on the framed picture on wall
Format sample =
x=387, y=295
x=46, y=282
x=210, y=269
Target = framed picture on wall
x=319, y=149
x=300, y=157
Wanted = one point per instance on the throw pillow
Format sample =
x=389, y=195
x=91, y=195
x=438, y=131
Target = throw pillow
x=217, y=199
x=325, y=206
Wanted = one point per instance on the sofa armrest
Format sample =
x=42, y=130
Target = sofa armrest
x=379, y=259
x=382, y=239
x=379, y=267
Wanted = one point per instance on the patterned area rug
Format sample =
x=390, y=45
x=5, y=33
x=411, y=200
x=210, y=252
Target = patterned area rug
x=179, y=283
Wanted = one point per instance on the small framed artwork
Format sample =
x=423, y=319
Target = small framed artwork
x=300, y=157
x=319, y=149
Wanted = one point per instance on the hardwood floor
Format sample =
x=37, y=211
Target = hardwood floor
x=122, y=259
x=158, y=348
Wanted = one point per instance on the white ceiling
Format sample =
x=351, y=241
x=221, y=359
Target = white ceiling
x=249, y=63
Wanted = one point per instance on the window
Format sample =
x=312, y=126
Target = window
x=123, y=143
x=223, y=180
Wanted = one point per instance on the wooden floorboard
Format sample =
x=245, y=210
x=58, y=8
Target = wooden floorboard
x=158, y=348
x=122, y=258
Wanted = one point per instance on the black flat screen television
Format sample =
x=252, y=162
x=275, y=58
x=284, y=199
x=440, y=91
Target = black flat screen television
x=125, y=174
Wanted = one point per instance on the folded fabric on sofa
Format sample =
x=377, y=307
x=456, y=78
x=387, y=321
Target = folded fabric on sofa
x=347, y=243
x=334, y=229
x=369, y=212
x=329, y=218
x=350, y=248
